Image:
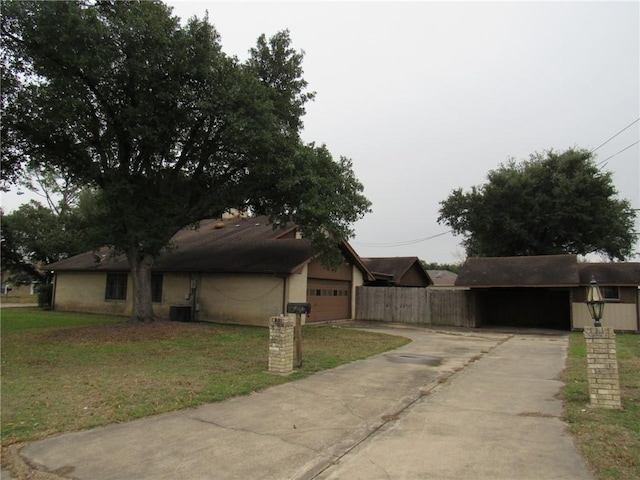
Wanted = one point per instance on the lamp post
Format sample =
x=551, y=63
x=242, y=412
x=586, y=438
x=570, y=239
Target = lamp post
x=595, y=302
x=602, y=357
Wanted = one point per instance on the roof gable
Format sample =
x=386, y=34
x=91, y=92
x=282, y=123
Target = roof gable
x=402, y=271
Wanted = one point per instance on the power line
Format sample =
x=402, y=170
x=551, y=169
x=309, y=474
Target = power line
x=601, y=164
x=403, y=243
x=603, y=144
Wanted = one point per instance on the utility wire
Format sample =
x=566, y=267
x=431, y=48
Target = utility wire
x=401, y=244
x=602, y=164
x=607, y=141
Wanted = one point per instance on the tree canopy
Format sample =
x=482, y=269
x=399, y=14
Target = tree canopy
x=553, y=203
x=123, y=98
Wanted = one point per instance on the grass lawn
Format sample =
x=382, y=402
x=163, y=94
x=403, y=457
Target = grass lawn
x=609, y=439
x=33, y=299
x=63, y=372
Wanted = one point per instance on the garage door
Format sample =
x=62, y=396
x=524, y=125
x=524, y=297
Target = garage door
x=329, y=300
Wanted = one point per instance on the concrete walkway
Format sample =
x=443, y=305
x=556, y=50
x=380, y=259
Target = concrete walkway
x=450, y=405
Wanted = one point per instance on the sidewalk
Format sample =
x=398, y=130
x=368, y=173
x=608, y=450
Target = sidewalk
x=398, y=415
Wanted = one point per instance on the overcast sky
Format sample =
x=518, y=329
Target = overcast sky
x=426, y=97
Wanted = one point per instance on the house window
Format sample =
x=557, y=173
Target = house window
x=156, y=287
x=116, y=286
x=610, y=293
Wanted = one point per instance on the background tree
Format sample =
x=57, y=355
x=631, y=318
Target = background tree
x=554, y=203
x=166, y=127
x=34, y=235
x=451, y=267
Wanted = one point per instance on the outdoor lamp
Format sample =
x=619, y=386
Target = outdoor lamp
x=595, y=302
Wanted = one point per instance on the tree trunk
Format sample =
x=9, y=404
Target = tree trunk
x=142, y=308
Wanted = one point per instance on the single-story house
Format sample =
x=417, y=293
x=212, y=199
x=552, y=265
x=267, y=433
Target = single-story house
x=396, y=272
x=548, y=291
x=235, y=270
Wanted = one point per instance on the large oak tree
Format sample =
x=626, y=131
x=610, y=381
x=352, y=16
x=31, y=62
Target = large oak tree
x=553, y=203
x=167, y=128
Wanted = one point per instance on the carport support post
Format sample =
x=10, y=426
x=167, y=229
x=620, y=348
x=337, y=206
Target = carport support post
x=602, y=367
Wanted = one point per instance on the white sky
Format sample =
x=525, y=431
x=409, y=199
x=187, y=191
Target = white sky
x=426, y=97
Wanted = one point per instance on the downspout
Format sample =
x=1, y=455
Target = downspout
x=193, y=290
x=53, y=290
x=284, y=294
x=638, y=310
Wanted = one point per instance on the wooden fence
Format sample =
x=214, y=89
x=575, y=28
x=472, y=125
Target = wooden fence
x=423, y=306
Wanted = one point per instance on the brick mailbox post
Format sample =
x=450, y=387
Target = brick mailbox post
x=281, y=345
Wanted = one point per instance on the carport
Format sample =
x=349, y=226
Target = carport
x=524, y=292
x=524, y=307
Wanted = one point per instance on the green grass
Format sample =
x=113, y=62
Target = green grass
x=64, y=372
x=609, y=439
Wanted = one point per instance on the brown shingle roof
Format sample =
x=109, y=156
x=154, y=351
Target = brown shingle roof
x=613, y=274
x=394, y=268
x=248, y=245
x=537, y=271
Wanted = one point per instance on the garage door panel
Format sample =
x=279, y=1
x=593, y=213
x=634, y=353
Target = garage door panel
x=329, y=299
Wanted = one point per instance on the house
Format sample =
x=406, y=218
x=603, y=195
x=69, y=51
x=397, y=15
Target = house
x=397, y=272
x=548, y=291
x=442, y=278
x=10, y=287
x=237, y=270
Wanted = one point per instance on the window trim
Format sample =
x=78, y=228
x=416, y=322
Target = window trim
x=116, y=286
x=608, y=293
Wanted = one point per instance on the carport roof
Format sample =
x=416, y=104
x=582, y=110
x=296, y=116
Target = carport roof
x=535, y=271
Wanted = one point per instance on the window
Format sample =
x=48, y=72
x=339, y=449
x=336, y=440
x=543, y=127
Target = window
x=610, y=293
x=156, y=287
x=116, y=286
x=325, y=292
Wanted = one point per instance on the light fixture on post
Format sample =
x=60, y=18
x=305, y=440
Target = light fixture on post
x=595, y=302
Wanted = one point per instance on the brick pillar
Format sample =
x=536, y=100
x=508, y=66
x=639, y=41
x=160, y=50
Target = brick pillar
x=602, y=367
x=281, y=345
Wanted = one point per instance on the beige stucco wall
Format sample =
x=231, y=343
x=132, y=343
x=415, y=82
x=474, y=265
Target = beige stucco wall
x=224, y=298
x=241, y=299
x=620, y=316
x=175, y=290
x=357, y=281
x=84, y=292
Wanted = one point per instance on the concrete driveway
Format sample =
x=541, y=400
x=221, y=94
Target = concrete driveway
x=452, y=404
